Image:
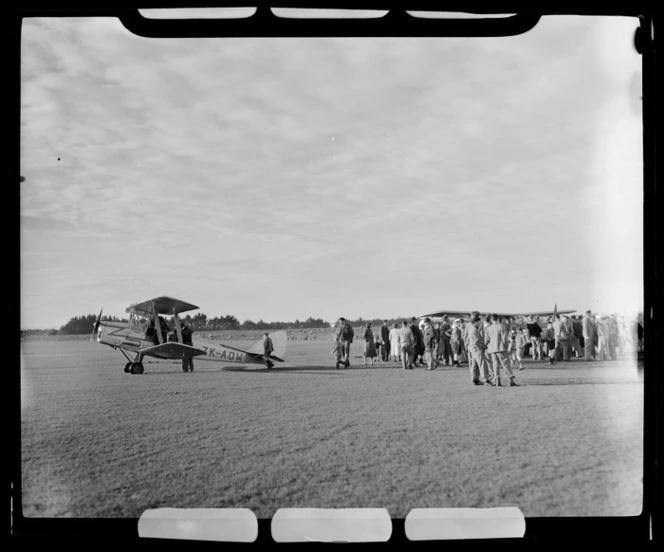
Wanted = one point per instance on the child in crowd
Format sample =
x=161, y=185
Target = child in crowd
x=521, y=342
x=511, y=348
x=338, y=352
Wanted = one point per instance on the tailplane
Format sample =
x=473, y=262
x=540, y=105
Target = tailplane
x=279, y=341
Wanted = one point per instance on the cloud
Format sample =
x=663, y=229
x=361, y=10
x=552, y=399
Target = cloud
x=277, y=163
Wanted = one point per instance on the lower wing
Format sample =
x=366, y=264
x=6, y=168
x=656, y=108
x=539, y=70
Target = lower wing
x=171, y=350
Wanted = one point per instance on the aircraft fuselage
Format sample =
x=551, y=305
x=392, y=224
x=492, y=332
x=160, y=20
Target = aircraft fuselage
x=118, y=334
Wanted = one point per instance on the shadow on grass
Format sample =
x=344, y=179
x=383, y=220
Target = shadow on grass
x=316, y=370
x=576, y=364
x=262, y=370
x=578, y=382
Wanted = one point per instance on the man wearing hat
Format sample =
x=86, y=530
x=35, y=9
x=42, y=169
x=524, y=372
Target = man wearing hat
x=476, y=360
x=456, y=341
x=187, y=360
x=496, y=341
x=444, y=347
x=406, y=342
x=603, y=334
x=589, y=330
x=268, y=349
x=345, y=336
x=430, y=339
x=385, y=338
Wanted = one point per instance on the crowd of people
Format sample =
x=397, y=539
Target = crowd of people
x=491, y=342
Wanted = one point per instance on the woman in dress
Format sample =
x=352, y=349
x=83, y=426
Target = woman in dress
x=456, y=341
x=548, y=338
x=369, y=345
x=395, y=353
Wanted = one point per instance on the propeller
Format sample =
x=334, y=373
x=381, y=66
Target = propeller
x=96, y=325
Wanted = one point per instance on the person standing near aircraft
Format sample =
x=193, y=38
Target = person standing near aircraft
x=385, y=338
x=596, y=318
x=268, y=348
x=456, y=341
x=477, y=363
x=369, y=345
x=520, y=350
x=418, y=345
x=338, y=352
x=588, y=327
x=562, y=332
x=444, y=347
x=603, y=335
x=577, y=336
x=378, y=343
x=439, y=339
x=430, y=338
x=486, y=322
x=464, y=338
x=481, y=326
x=395, y=353
x=535, y=332
x=496, y=341
x=406, y=341
x=164, y=328
x=511, y=347
x=614, y=336
x=549, y=342
x=187, y=360
x=345, y=336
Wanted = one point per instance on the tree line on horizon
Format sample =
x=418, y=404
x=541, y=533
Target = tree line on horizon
x=83, y=324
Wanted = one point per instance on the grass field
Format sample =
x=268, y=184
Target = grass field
x=97, y=442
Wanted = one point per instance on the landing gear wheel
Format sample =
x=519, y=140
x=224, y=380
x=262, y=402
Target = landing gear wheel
x=136, y=368
x=127, y=367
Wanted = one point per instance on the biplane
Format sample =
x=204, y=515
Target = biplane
x=148, y=334
x=519, y=316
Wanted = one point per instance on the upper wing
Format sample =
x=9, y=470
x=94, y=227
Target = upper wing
x=171, y=350
x=163, y=305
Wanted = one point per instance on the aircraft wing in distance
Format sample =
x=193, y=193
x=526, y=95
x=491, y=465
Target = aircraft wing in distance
x=466, y=314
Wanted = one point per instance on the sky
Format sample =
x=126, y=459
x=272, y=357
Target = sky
x=281, y=179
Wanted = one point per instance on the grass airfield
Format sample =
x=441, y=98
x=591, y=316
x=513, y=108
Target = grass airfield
x=99, y=443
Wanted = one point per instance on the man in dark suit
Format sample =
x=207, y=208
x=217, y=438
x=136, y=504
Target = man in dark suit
x=268, y=349
x=535, y=332
x=444, y=346
x=418, y=347
x=385, y=338
x=187, y=360
x=345, y=335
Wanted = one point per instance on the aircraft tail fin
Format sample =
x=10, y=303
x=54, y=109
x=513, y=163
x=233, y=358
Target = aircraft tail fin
x=279, y=340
